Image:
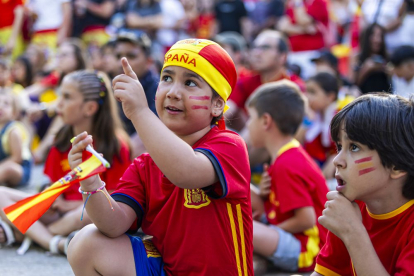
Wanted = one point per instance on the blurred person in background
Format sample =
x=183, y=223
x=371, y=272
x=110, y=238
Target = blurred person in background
x=90, y=18
x=306, y=24
x=263, y=14
x=41, y=113
x=268, y=57
x=231, y=15
x=22, y=71
x=370, y=71
x=11, y=21
x=110, y=64
x=236, y=46
x=135, y=45
x=145, y=15
x=389, y=15
x=37, y=58
x=205, y=25
x=173, y=19
x=403, y=74
x=52, y=23
x=322, y=93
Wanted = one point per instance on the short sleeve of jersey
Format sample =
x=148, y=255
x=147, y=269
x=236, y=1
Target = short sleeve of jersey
x=131, y=187
x=404, y=266
x=292, y=190
x=333, y=259
x=228, y=154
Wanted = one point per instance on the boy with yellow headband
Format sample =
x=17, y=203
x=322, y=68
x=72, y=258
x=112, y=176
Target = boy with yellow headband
x=190, y=191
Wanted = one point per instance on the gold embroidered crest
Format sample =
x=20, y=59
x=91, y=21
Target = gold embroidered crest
x=151, y=250
x=195, y=198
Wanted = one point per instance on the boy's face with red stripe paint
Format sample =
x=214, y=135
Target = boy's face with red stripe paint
x=184, y=101
x=360, y=173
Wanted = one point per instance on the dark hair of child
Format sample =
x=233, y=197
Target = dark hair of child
x=106, y=127
x=328, y=82
x=29, y=71
x=283, y=101
x=384, y=123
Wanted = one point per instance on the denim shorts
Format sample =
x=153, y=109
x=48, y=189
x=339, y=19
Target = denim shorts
x=27, y=167
x=287, y=252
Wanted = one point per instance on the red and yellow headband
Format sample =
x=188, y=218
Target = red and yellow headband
x=207, y=59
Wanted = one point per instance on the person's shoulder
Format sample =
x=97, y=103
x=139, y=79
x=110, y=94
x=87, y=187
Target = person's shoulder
x=294, y=159
x=224, y=135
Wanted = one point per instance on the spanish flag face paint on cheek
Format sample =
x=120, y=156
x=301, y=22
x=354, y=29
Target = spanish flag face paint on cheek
x=365, y=165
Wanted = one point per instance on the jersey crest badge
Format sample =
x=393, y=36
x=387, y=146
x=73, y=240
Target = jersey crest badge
x=195, y=198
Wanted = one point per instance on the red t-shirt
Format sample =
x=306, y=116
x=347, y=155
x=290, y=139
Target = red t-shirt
x=297, y=182
x=57, y=166
x=7, y=12
x=318, y=10
x=392, y=236
x=247, y=83
x=197, y=231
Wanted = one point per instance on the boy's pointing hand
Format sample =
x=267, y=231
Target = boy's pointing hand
x=128, y=90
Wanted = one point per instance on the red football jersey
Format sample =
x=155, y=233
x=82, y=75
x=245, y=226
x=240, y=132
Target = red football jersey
x=57, y=166
x=297, y=182
x=392, y=236
x=197, y=231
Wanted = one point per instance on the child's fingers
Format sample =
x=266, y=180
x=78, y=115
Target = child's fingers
x=127, y=69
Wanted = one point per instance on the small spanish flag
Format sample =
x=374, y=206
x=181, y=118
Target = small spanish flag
x=25, y=212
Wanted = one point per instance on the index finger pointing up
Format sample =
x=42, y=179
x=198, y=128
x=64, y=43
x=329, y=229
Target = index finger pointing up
x=127, y=69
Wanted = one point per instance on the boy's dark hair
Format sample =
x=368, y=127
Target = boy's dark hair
x=384, y=123
x=283, y=101
x=328, y=82
x=136, y=37
x=402, y=54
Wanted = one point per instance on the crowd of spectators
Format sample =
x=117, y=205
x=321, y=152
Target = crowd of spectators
x=334, y=50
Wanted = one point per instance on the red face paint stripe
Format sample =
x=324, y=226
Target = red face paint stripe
x=361, y=172
x=199, y=107
x=201, y=98
x=363, y=160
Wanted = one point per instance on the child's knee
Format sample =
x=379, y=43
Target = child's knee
x=82, y=244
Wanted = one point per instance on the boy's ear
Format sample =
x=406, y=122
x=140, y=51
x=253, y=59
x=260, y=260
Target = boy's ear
x=332, y=97
x=267, y=120
x=91, y=107
x=397, y=173
x=218, y=106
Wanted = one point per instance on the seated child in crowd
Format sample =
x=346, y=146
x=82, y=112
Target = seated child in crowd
x=370, y=216
x=291, y=237
x=190, y=191
x=86, y=103
x=15, y=156
x=322, y=93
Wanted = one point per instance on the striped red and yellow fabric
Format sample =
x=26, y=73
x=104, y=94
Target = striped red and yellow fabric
x=207, y=59
x=25, y=212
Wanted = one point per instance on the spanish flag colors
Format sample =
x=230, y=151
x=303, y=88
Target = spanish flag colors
x=25, y=212
x=207, y=59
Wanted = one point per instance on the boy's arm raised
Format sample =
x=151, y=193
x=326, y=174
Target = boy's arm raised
x=111, y=223
x=343, y=218
x=177, y=160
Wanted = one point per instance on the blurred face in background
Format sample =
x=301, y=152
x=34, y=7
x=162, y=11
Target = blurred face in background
x=18, y=72
x=265, y=56
x=110, y=64
x=376, y=40
x=136, y=57
x=66, y=59
x=318, y=99
x=4, y=75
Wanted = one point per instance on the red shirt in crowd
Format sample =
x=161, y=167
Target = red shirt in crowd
x=297, y=182
x=392, y=236
x=7, y=12
x=247, y=83
x=57, y=166
x=197, y=231
x=318, y=10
